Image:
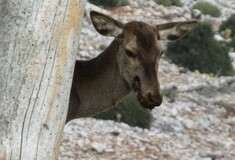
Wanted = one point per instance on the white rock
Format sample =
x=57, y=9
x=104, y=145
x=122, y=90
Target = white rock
x=90, y=33
x=189, y=124
x=204, y=122
x=83, y=53
x=186, y=9
x=196, y=13
x=214, y=120
x=157, y=14
x=90, y=48
x=218, y=37
x=134, y=4
x=109, y=150
x=174, y=112
x=142, y=149
x=232, y=55
x=127, y=8
x=207, y=158
x=99, y=147
x=152, y=3
x=83, y=133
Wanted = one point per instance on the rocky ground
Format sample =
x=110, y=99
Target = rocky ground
x=195, y=122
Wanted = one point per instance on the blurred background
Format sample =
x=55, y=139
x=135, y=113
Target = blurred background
x=196, y=120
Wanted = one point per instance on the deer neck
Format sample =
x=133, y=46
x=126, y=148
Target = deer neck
x=99, y=83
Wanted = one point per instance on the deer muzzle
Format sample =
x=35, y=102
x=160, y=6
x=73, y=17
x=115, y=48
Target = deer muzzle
x=149, y=99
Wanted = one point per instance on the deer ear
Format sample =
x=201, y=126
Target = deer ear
x=175, y=30
x=106, y=25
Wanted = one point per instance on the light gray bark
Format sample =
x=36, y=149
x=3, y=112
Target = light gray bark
x=38, y=46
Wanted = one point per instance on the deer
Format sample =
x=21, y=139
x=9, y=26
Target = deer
x=129, y=63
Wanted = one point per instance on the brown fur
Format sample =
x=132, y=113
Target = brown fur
x=97, y=85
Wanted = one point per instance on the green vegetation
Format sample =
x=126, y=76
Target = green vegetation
x=232, y=44
x=200, y=51
x=226, y=33
x=229, y=24
x=227, y=30
x=169, y=2
x=207, y=8
x=128, y=111
x=109, y=3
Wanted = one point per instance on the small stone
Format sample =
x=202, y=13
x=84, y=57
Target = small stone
x=189, y=124
x=109, y=150
x=142, y=149
x=127, y=8
x=187, y=16
x=98, y=147
x=174, y=112
x=196, y=13
x=83, y=133
x=207, y=158
x=218, y=38
x=205, y=122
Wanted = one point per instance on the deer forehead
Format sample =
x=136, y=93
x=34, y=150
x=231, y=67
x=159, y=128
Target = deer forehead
x=141, y=36
x=144, y=44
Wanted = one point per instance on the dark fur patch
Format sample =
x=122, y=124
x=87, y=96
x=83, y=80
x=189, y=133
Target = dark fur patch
x=146, y=39
x=173, y=37
x=144, y=34
x=104, y=31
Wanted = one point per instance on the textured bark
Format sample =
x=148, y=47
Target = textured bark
x=38, y=45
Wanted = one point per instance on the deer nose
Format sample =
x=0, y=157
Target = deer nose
x=154, y=99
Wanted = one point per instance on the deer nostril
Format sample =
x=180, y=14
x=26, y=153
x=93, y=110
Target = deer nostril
x=154, y=100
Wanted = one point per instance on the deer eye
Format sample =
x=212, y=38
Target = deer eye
x=130, y=53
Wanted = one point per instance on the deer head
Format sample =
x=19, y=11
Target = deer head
x=140, y=49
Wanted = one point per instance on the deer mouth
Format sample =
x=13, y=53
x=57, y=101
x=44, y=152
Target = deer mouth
x=137, y=89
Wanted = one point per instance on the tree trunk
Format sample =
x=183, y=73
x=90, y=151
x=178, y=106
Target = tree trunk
x=38, y=45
